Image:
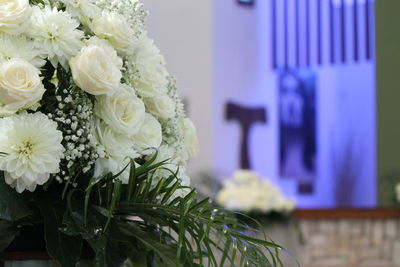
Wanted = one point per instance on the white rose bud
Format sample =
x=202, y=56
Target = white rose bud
x=190, y=136
x=123, y=111
x=114, y=28
x=149, y=136
x=13, y=15
x=20, y=86
x=96, y=69
x=150, y=64
x=161, y=106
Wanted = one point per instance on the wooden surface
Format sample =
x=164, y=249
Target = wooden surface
x=38, y=255
x=336, y=214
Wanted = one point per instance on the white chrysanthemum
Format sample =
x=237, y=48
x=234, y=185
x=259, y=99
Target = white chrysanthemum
x=115, y=152
x=13, y=46
x=56, y=35
x=81, y=8
x=33, y=150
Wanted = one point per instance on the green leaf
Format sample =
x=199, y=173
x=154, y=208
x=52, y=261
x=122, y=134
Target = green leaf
x=13, y=206
x=63, y=248
x=8, y=231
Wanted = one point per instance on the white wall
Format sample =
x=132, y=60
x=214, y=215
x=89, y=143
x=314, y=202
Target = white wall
x=182, y=29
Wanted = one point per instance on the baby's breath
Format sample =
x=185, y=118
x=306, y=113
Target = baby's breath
x=74, y=115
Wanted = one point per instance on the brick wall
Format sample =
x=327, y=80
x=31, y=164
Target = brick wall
x=342, y=243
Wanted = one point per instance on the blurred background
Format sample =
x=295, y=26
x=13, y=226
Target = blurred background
x=305, y=93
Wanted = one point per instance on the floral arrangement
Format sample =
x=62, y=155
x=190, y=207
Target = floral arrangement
x=94, y=142
x=248, y=192
x=397, y=191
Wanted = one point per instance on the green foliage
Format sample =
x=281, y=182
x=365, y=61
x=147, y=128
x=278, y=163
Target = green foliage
x=8, y=231
x=144, y=223
x=64, y=248
x=12, y=205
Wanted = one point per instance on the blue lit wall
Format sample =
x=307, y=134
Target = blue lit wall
x=324, y=50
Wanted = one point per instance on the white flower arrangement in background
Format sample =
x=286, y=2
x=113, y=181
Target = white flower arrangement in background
x=246, y=191
x=397, y=190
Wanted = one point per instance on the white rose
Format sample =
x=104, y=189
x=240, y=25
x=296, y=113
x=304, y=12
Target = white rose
x=123, y=111
x=115, y=28
x=96, y=69
x=13, y=14
x=20, y=86
x=115, y=152
x=149, y=136
x=152, y=79
x=189, y=136
x=161, y=106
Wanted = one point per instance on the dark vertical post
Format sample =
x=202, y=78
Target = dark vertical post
x=274, y=34
x=343, y=30
x=308, y=61
x=319, y=31
x=297, y=29
x=286, y=33
x=355, y=29
x=332, y=31
x=367, y=31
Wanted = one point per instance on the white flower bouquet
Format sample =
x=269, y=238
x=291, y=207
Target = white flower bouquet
x=94, y=141
x=248, y=192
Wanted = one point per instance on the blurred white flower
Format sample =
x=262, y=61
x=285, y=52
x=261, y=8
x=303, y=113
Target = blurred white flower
x=115, y=28
x=189, y=137
x=18, y=46
x=13, y=15
x=149, y=135
x=150, y=64
x=115, y=152
x=96, y=69
x=161, y=106
x=55, y=33
x=20, y=86
x=123, y=111
x=33, y=150
x=247, y=192
x=397, y=189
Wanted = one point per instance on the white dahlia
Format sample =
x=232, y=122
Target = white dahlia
x=18, y=46
x=56, y=35
x=33, y=150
